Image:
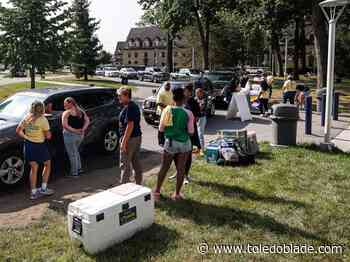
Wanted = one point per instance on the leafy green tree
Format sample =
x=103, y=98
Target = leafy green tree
x=32, y=34
x=105, y=57
x=84, y=42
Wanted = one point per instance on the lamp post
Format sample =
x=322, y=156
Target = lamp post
x=336, y=9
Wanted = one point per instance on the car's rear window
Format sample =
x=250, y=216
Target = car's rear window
x=18, y=106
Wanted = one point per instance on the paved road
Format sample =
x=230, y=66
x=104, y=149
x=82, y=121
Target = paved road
x=7, y=80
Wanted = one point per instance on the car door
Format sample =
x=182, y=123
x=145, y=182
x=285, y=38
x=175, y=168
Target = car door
x=54, y=109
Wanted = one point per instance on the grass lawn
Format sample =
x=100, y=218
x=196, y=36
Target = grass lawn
x=93, y=81
x=297, y=195
x=343, y=87
x=10, y=89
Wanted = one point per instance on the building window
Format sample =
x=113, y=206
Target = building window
x=155, y=54
x=129, y=55
x=136, y=54
x=146, y=54
x=157, y=42
x=163, y=64
x=163, y=54
x=129, y=62
x=136, y=62
x=137, y=43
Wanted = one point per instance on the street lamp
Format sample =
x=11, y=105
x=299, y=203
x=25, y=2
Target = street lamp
x=336, y=8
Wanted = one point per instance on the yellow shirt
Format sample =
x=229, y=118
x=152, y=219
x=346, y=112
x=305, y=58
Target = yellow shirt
x=34, y=130
x=166, y=98
x=289, y=85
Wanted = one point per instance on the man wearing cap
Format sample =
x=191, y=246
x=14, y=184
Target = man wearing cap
x=131, y=137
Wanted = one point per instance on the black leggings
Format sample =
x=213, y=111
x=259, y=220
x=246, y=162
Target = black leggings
x=264, y=105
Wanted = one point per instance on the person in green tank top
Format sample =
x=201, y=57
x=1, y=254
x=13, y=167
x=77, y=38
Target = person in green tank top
x=177, y=123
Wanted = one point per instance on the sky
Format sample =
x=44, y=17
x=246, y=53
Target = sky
x=116, y=16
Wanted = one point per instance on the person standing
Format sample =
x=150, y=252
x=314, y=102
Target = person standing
x=177, y=123
x=266, y=85
x=164, y=98
x=289, y=90
x=202, y=100
x=131, y=137
x=35, y=129
x=263, y=98
x=75, y=123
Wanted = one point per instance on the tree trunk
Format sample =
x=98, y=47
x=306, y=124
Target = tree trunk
x=277, y=51
x=206, y=41
x=170, y=47
x=85, y=74
x=296, y=49
x=32, y=76
x=321, y=43
x=303, y=47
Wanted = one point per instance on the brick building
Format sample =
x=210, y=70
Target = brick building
x=147, y=46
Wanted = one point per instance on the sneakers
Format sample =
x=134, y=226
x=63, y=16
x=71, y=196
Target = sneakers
x=35, y=196
x=186, y=181
x=72, y=176
x=46, y=192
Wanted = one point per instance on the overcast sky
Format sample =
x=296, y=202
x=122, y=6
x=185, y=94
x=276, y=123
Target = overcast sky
x=117, y=17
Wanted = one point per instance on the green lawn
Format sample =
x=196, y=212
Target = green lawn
x=8, y=90
x=296, y=195
x=94, y=81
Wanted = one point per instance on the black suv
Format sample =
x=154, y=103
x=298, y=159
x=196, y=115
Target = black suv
x=100, y=104
x=149, y=108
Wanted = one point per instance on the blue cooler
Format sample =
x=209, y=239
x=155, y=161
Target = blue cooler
x=212, y=153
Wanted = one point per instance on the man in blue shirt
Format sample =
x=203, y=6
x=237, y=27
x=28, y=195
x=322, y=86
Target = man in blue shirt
x=131, y=137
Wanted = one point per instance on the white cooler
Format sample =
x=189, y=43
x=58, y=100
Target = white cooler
x=110, y=217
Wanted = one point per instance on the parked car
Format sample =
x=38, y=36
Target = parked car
x=219, y=80
x=129, y=73
x=111, y=72
x=149, y=107
x=100, y=72
x=154, y=74
x=186, y=74
x=100, y=104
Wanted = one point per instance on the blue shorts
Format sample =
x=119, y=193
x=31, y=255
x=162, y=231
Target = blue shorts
x=36, y=152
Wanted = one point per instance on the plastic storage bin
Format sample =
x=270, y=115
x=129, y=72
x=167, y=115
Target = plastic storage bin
x=110, y=217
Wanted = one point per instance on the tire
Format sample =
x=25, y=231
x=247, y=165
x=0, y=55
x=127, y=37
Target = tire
x=110, y=140
x=13, y=169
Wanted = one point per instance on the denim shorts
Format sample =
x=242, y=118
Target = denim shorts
x=175, y=147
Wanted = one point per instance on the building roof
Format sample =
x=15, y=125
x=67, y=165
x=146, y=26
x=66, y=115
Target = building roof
x=151, y=32
x=121, y=45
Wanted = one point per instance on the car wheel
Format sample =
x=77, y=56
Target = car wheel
x=12, y=169
x=149, y=121
x=110, y=141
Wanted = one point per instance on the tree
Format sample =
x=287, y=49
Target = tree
x=32, y=34
x=84, y=42
x=105, y=58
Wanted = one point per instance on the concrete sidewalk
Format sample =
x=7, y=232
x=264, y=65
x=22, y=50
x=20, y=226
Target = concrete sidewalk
x=340, y=132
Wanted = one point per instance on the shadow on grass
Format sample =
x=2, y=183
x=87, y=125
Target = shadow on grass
x=143, y=246
x=316, y=148
x=237, y=219
x=244, y=194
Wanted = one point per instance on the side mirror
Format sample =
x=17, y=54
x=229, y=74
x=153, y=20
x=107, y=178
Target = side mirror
x=154, y=91
x=188, y=74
